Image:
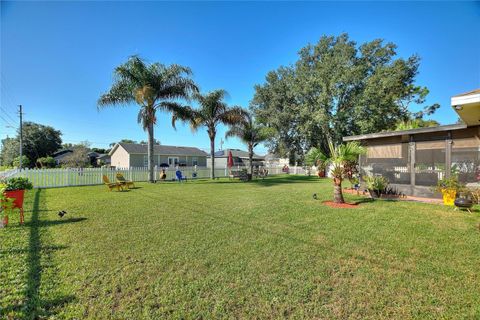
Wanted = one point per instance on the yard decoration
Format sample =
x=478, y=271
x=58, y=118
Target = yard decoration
x=463, y=201
x=15, y=189
x=449, y=188
x=339, y=157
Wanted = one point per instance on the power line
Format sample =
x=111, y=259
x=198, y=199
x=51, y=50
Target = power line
x=6, y=121
x=6, y=113
x=6, y=95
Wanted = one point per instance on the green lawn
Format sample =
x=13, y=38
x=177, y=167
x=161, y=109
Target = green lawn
x=225, y=249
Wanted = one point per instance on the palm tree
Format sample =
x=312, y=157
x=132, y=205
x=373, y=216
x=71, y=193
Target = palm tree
x=213, y=111
x=250, y=133
x=153, y=87
x=339, y=156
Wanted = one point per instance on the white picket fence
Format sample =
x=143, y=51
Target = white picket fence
x=66, y=177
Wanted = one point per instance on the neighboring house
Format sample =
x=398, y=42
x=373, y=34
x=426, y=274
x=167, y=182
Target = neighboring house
x=414, y=160
x=240, y=158
x=274, y=160
x=59, y=155
x=104, y=159
x=92, y=157
x=126, y=155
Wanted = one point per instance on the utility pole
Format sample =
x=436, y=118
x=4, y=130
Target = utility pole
x=20, y=113
x=221, y=143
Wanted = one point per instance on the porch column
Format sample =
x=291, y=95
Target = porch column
x=411, y=146
x=448, y=154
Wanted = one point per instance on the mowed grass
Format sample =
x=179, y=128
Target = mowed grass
x=260, y=250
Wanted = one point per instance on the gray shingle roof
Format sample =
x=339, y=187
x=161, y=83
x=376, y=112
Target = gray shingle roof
x=162, y=150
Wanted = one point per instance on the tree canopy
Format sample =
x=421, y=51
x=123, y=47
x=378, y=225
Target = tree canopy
x=338, y=88
x=38, y=141
x=153, y=87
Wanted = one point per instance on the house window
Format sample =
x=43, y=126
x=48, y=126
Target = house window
x=194, y=161
x=145, y=161
x=173, y=161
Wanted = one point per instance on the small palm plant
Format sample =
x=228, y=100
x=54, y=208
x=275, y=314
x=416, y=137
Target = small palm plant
x=250, y=133
x=153, y=87
x=316, y=158
x=212, y=112
x=339, y=156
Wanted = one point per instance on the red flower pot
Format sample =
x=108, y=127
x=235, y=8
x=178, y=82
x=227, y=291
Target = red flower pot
x=17, y=195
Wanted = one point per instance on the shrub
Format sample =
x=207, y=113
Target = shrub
x=376, y=183
x=46, y=162
x=448, y=183
x=18, y=183
x=25, y=162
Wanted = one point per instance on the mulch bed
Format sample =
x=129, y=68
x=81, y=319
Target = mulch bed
x=332, y=204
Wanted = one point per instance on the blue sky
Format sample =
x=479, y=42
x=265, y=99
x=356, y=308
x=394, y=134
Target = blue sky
x=58, y=57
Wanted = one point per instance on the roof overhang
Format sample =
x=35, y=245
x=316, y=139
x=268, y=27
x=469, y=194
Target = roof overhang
x=405, y=132
x=467, y=106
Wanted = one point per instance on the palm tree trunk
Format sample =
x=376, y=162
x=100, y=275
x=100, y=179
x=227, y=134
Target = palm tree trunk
x=337, y=191
x=212, y=156
x=151, y=173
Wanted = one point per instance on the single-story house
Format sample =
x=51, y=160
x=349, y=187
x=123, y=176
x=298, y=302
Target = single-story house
x=240, y=158
x=104, y=159
x=414, y=160
x=126, y=155
x=59, y=155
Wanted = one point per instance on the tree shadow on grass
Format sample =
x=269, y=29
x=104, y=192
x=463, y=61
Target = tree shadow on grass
x=35, y=307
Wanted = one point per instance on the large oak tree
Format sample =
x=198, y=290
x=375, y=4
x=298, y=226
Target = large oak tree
x=338, y=88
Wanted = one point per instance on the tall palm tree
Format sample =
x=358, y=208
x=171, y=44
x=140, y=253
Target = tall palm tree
x=250, y=133
x=338, y=158
x=213, y=111
x=153, y=87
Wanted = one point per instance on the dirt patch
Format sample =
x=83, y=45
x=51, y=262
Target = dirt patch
x=332, y=204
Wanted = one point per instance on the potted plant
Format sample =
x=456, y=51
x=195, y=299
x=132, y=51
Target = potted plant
x=376, y=185
x=316, y=158
x=6, y=206
x=448, y=187
x=15, y=189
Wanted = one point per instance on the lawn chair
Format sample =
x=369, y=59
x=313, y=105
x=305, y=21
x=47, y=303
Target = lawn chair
x=180, y=177
x=163, y=175
x=111, y=185
x=124, y=182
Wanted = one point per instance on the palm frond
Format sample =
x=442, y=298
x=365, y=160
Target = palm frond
x=232, y=116
x=179, y=111
x=315, y=157
x=120, y=93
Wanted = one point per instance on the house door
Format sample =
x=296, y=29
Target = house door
x=173, y=161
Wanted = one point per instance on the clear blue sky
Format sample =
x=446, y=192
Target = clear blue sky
x=58, y=57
